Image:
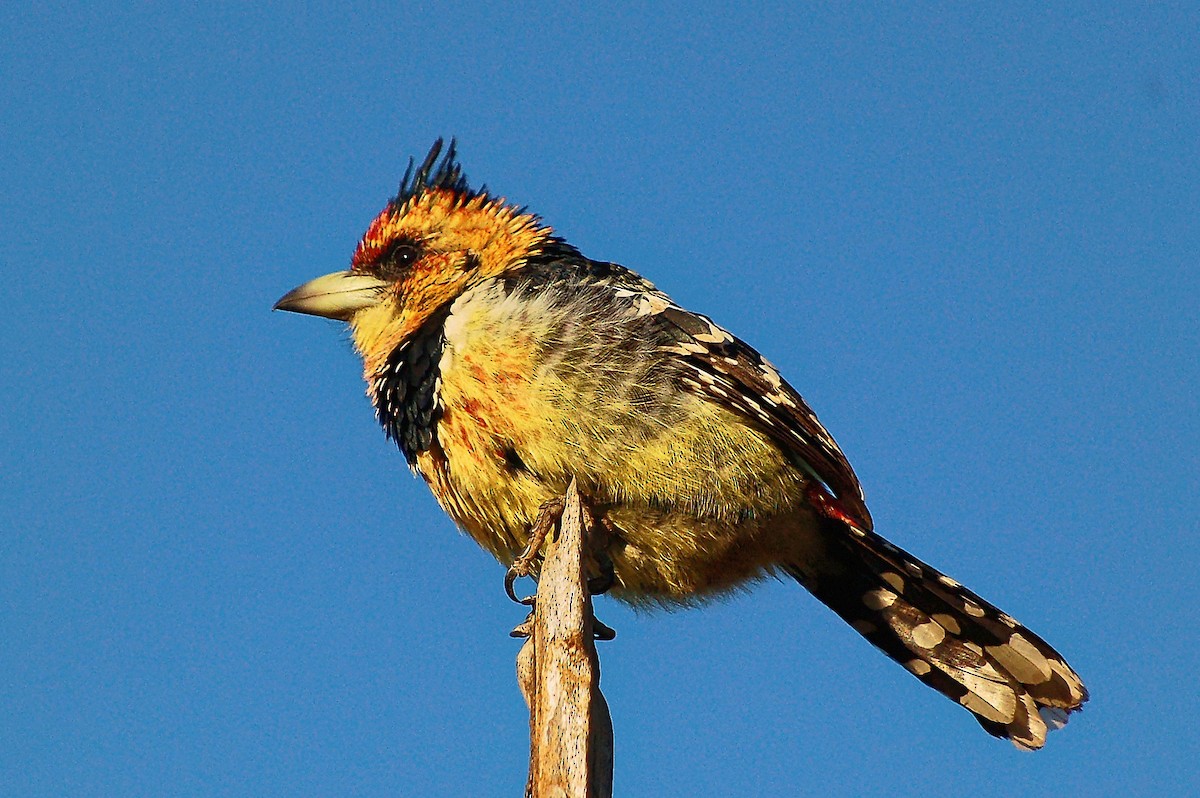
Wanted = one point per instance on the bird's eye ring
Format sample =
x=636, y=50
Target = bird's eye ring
x=399, y=257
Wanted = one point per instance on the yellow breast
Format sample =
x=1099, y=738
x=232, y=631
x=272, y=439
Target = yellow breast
x=531, y=397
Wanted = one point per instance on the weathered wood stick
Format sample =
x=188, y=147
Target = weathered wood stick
x=570, y=730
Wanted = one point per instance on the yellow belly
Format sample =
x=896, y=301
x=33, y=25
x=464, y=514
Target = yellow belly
x=700, y=499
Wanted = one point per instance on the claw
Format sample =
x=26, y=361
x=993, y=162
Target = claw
x=601, y=631
x=547, y=517
x=510, y=579
x=524, y=629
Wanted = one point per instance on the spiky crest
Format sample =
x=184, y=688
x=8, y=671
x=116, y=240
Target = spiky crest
x=445, y=175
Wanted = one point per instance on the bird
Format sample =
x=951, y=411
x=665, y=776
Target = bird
x=505, y=364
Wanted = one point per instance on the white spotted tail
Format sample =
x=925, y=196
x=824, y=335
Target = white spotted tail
x=1014, y=683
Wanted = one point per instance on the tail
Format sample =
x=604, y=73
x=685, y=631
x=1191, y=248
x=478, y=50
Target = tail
x=1015, y=684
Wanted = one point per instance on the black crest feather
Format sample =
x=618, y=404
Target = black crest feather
x=447, y=174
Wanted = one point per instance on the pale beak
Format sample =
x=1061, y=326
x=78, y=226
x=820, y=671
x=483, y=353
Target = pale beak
x=334, y=296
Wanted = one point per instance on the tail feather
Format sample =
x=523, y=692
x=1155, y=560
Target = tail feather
x=1014, y=683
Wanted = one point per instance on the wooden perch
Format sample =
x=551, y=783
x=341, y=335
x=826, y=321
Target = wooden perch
x=570, y=730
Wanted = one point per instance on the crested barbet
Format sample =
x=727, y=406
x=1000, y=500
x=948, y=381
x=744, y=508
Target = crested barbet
x=504, y=364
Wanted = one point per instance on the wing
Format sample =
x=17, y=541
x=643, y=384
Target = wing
x=727, y=371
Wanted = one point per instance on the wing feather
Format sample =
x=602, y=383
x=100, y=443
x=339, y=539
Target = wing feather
x=725, y=370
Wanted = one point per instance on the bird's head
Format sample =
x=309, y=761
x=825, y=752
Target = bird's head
x=436, y=239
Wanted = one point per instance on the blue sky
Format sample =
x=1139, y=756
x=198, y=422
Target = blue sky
x=968, y=236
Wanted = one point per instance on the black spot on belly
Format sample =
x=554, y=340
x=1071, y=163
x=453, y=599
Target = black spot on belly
x=513, y=460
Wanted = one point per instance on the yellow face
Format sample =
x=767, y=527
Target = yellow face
x=429, y=251
x=415, y=258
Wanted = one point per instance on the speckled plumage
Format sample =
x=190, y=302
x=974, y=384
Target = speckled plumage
x=504, y=364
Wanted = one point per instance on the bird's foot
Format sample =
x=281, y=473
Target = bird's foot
x=599, y=585
x=548, y=515
x=600, y=630
x=603, y=536
x=603, y=533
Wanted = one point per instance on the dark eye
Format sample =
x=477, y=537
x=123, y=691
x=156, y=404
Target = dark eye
x=401, y=255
